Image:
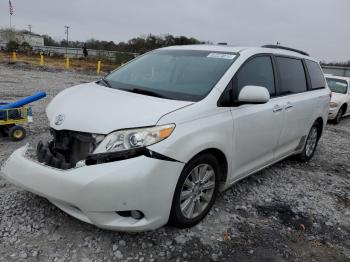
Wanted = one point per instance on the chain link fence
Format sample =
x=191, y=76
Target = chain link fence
x=112, y=56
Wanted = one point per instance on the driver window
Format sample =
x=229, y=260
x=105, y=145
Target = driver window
x=257, y=71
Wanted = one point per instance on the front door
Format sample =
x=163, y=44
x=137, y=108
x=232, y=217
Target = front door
x=257, y=127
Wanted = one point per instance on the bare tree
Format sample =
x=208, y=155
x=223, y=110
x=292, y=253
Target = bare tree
x=8, y=34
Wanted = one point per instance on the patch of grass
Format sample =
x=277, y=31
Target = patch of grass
x=79, y=64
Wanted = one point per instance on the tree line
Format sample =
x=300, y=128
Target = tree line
x=342, y=64
x=140, y=44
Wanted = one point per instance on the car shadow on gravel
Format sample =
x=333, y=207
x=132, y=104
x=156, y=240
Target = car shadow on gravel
x=286, y=216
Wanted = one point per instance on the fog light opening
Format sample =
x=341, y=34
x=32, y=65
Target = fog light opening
x=123, y=213
x=135, y=214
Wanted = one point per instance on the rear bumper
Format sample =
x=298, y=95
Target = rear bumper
x=94, y=193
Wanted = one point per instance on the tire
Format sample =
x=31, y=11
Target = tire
x=17, y=133
x=4, y=130
x=310, y=143
x=339, y=115
x=198, y=196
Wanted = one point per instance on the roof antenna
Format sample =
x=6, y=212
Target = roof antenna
x=278, y=43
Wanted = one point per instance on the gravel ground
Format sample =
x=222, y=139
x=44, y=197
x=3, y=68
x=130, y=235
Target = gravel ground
x=288, y=212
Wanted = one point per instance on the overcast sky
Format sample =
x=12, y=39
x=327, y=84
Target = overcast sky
x=320, y=27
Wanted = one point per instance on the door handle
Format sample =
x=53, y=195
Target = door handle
x=277, y=108
x=288, y=105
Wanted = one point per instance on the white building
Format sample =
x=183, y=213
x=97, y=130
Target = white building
x=33, y=39
x=7, y=35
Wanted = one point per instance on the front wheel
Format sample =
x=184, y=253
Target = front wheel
x=311, y=143
x=339, y=116
x=195, y=191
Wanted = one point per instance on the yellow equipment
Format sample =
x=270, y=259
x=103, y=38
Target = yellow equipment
x=10, y=120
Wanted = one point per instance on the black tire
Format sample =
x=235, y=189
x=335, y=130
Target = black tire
x=306, y=154
x=177, y=218
x=17, y=133
x=339, y=115
x=4, y=130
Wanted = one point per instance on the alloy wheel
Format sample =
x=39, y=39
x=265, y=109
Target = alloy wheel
x=311, y=142
x=197, y=190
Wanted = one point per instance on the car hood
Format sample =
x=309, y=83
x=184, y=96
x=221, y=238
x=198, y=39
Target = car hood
x=97, y=109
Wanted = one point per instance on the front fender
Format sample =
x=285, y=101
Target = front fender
x=192, y=137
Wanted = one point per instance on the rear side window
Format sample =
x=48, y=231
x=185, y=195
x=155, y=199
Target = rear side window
x=292, y=75
x=316, y=75
x=259, y=72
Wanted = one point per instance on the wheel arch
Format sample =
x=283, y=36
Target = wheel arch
x=319, y=121
x=345, y=107
x=222, y=159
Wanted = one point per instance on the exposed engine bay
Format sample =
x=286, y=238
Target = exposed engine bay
x=66, y=148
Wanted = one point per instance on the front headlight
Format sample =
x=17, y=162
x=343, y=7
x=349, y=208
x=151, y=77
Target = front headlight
x=134, y=138
x=333, y=104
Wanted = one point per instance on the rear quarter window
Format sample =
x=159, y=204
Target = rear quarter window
x=316, y=75
x=292, y=75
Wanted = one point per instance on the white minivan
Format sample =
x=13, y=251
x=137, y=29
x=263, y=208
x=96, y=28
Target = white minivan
x=158, y=138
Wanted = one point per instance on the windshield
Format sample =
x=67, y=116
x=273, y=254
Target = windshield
x=337, y=85
x=173, y=74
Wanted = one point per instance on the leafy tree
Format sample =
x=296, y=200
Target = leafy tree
x=12, y=46
x=49, y=41
x=24, y=47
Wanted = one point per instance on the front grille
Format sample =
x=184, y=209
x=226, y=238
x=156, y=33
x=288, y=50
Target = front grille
x=66, y=148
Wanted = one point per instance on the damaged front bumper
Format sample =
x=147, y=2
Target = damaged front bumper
x=95, y=193
x=333, y=113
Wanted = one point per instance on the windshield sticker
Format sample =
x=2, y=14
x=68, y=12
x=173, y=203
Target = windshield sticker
x=221, y=56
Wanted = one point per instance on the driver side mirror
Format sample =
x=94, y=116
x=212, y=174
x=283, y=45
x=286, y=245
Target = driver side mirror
x=254, y=95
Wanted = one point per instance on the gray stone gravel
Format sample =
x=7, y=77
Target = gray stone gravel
x=289, y=212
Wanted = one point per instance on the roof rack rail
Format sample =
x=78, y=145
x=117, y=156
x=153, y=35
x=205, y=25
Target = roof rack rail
x=286, y=48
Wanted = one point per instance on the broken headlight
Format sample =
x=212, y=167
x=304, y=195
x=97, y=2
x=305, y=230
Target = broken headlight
x=134, y=138
x=333, y=104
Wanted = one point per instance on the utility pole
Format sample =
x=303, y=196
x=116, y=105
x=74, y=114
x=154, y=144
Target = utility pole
x=67, y=33
x=30, y=28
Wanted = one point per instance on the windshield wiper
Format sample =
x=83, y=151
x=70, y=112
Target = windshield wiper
x=105, y=82
x=133, y=90
x=144, y=92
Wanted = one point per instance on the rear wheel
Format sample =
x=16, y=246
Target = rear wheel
x=196, y=191
x=17, y=133
x=339, y=115
x=311, y=143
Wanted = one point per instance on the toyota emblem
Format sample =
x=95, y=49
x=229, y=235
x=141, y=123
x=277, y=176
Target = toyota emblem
x=59, y=120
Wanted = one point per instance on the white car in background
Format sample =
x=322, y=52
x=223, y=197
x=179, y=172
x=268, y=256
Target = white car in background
x=157, y=139
x=340, y=102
